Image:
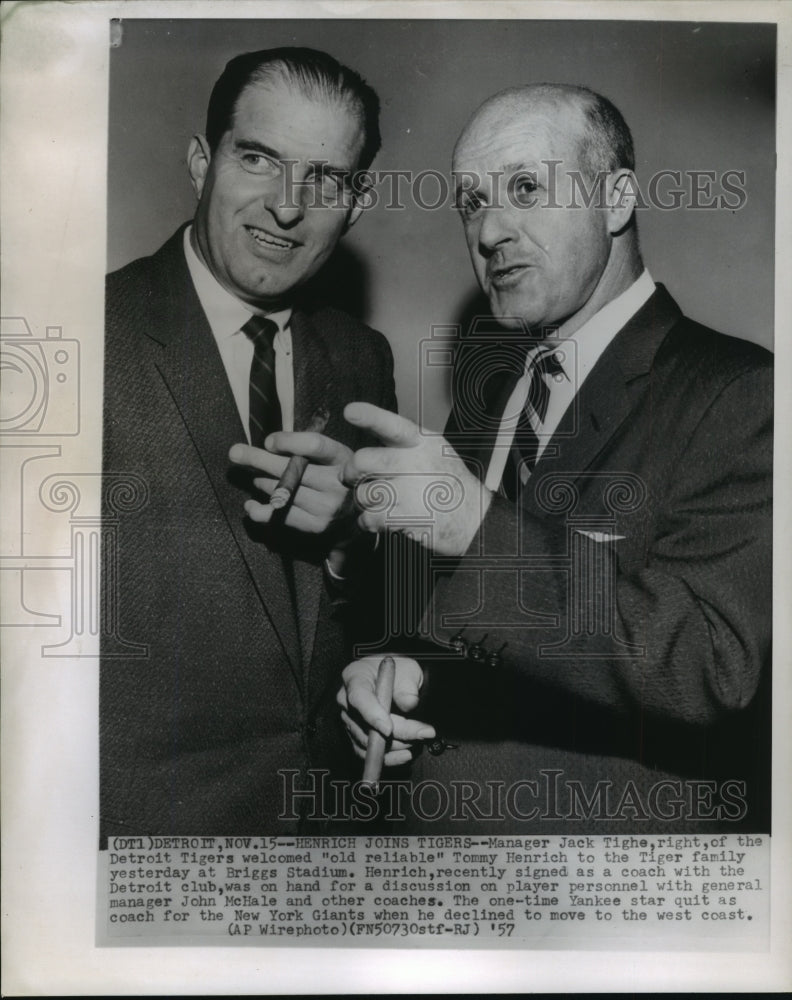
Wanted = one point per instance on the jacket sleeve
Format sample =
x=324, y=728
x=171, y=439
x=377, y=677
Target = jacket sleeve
x=691, y=623
x=359, y=589
x=385, y=380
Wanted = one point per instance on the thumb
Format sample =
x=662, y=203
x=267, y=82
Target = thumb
x=407, y=684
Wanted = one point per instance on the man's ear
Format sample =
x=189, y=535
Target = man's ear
x=199, y=157
x=621, y=197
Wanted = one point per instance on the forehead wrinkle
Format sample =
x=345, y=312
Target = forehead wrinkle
x=319, y=99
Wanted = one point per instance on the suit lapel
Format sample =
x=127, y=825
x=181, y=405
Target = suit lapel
x=190, y=365
x=594, y=416
x=314, y=386
x=604, y=402
x=485, y=375
x=610, y=392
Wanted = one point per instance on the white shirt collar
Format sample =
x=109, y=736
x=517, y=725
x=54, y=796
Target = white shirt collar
x=593, y=337
x=226, y=313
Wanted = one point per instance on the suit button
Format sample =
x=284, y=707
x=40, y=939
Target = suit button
x=494, y=659
x=458, y=644
x=310, y=729
x=478, y=650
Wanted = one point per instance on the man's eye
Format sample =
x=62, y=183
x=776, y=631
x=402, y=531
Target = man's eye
x=257, y=163
x=523, y=188
x=332, y=188
x=468, y=204
x=329, y=183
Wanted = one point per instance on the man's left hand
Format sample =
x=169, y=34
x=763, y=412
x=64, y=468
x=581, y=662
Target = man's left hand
x=361, y=710
x=416, y=480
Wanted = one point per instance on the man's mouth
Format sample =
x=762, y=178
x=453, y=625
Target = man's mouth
x=269, y=241
x=506, y=274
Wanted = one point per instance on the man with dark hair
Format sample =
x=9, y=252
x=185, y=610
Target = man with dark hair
x=315, y=74
x=209, y=342
x=602, y=557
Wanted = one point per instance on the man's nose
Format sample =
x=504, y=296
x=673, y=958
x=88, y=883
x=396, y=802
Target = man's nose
x=287, y=205
x=287, y=200
x=497, y=227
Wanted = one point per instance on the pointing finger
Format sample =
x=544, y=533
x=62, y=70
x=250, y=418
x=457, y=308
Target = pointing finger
x=393, y=430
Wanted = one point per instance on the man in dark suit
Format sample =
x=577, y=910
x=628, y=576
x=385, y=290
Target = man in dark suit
x=602, y=556
x=209, y=342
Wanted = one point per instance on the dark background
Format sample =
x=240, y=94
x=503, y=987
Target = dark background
x=696, y=96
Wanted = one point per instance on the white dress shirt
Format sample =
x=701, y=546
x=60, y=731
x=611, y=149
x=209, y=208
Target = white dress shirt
x=227, y=315
x=577, y=355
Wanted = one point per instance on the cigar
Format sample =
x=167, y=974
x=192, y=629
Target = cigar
x=375, y=751
x=297, y=464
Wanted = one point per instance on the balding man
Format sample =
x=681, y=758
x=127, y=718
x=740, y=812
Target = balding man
x=603, y=571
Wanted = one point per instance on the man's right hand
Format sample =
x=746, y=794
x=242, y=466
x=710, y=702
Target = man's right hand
x=321, y=502
x=361, y=710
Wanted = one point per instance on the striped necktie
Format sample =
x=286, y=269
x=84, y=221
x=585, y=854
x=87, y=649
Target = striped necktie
x=265, y=411
x=525, y=447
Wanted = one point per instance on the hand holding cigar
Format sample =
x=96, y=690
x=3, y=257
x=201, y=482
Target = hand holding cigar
x=301, y=472
x=375, y=751
x=376, y=711
x=297, y=464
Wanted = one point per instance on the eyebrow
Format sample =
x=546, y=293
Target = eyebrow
x=258, y=147
x=515, y=167
x=529, y=167
x=253, y=145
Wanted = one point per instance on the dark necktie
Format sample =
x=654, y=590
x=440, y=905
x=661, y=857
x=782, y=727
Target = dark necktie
x=265, y=411
x=525, y=447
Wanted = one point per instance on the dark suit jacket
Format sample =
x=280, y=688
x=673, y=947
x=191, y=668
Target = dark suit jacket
x=630, y=659
x=243, y=644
